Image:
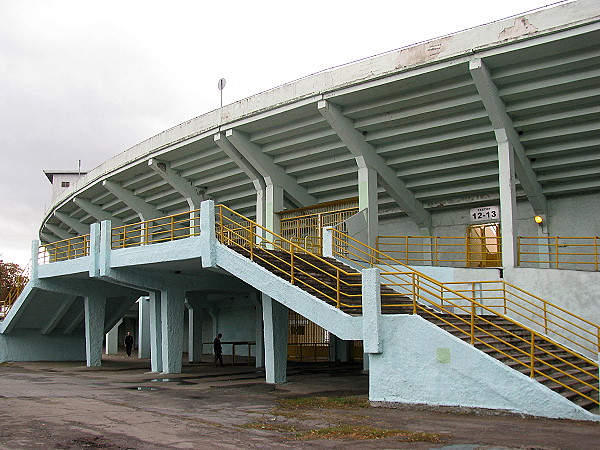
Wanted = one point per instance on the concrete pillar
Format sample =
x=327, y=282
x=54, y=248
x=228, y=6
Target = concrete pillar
x=260, y=213
x=275, y=319
x=35, y=251
x=172, y=312
x=339, y=350
x=208, y=237
x=260, y=341
x=156, y=359
x=508, y=204
x=274, y=203
x=371, y=298
x=94, y=308
x=112, y=340
x=327, y=249
x=144, y=327
x=194, y=306
x=367, y=200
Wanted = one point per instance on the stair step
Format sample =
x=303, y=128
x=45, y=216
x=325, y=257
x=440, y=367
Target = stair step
x=320, y=279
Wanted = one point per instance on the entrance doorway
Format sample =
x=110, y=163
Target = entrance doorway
x=484, y=245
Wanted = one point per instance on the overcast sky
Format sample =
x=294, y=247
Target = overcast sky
x=87, y=80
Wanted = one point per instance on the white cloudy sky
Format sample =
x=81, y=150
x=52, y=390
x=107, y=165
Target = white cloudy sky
x=87, y=79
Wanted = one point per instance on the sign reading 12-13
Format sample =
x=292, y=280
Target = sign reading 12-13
x=485, y=214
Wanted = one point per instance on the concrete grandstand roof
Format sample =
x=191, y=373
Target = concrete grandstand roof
x=420, y=108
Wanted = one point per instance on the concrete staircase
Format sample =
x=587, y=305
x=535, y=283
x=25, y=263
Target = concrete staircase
x=498, y=337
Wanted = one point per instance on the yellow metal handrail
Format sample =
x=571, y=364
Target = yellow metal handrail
x=153, y=231
x=12, y=295
x=559, y=252
x=64, y=250
x=288, y=259
x=450, y=306
x=459, y=251
x=541, y=315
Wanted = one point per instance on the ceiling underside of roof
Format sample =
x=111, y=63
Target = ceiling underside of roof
x=430, y=126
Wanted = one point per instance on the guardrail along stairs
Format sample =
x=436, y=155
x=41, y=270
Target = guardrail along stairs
x=408, y=292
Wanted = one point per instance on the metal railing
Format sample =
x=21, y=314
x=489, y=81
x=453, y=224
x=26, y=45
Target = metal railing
x=544, y=317
x=287, y=259
x=66, y=249
x=304, y=225
x=12, y=295
x=153, y=231
x=559, y=252
x=468, y=315
x=462, y=251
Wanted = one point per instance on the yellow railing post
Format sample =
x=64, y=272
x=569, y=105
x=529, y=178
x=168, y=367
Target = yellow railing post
x=518, y=250
x=545, y=317
x=556, y=251
x=406, y=248
x=532, y=369
x=172, y=228
x=596, y=252
x=414, y=293
x=472, y=322
x=251, y=243
x=292, y=264
x=337, y=288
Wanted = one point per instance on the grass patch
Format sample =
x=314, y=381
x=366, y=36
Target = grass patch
x=362, y=432
x=6, y=364
x=271, y=426
x=324, y=402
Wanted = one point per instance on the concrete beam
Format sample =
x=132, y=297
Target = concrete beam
x=500, y=120
x=72, y=223
x=193, y=195
x=271, y=172
x=143, y=209
x=97, y=212
x=58, y=315
x=253, y=174
x=366, y=156
x=62, y=234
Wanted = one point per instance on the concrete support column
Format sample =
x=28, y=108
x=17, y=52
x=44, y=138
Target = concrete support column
x=371, y=298
x=144, y=328
x=260, y=341
x=194, y=306
x=208, y=237
x=172, y=310
x=274, y=203
x=367, y=201
x=275, y=319
x=156, y=359
x=35, y=251
x=112, y=340
x=94, y=308
x=339, y=350
x=508, y=203
x=260, y=213
x=327, y=249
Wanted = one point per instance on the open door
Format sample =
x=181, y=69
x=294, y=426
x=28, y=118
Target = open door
x=484, y=245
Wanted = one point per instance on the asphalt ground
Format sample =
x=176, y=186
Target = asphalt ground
x=121, y=405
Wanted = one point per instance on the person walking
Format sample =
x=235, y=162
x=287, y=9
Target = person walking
x=128, y=342
x=218, y=350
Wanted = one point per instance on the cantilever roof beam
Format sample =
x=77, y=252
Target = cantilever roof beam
x=366, y=156
x=500, y=119
x=272, y=173
x=143, y=209
x=186, y=188
x=96, y=211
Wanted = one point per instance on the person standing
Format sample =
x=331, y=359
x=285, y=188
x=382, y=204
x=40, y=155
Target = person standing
x=218, y=350
x=128, y=343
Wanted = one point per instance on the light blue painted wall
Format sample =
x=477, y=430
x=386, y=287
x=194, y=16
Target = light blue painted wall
x=421, y=364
